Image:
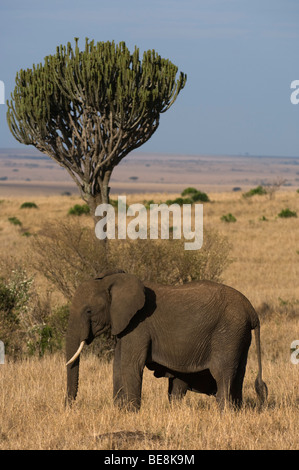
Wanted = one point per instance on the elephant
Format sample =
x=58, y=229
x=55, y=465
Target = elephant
x=197, y=334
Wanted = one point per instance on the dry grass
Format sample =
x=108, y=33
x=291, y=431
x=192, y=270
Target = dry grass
x=34, y=416
x=265, y=268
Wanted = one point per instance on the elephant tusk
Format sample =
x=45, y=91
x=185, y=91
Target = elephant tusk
x=77, y=353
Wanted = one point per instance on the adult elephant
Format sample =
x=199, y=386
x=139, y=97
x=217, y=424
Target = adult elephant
x=197, y=334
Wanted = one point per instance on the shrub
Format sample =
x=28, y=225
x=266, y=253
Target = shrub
x=194, y=196
x=285, y=213
x=114, y=203
x=79, y=209
x=68, y=253
x=15, y=293
x=28, y=205
x=29, y=324
x=143, y=258
x=259, y=190
x=7, y=301
x=228, y=218
x=189, y=190
x=147, y=204
x=199, y=196
x=48, y=335
x=15, y=221
x=180, y=201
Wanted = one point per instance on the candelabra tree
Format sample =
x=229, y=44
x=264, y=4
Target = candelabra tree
x=88, y=109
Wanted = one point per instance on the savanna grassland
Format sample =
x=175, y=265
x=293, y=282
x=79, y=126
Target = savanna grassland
x=264, y=265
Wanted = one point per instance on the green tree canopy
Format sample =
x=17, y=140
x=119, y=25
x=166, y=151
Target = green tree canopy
x=88, y=109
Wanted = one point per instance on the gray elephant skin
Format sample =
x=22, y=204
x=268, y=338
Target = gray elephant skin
x=197, y=334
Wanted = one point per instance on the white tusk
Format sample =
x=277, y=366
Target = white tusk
x=77, y=353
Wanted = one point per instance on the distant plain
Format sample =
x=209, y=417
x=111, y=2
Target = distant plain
x=27, y=171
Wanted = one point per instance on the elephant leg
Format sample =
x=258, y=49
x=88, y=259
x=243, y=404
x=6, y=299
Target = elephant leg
x=117, y=380
x=224, y=378
x=177, y=389
x=229, y=369
x=132, y=386
x=237, y=385
x=129, y=363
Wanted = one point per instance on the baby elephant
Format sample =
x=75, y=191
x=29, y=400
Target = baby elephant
x=196, y=334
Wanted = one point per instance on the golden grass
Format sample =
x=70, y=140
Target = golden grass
x=265, y=269
x=33, y=415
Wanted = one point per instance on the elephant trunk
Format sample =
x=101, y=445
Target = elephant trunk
x=77, y=354
x=78, y=333
x=73, y=360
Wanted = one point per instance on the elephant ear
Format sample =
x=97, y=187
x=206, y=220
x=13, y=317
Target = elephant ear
x=127, y=297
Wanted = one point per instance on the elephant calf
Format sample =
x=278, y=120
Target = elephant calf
x=197, y=335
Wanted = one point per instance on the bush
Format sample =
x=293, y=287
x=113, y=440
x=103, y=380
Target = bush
x=189, y=190
x=143, y=258
x=28, y=205
x=228, y=218
x=79, y=209
x=259, y=190
x=29, y=324
x=194, y=196
x=199, y=196
x=48, y=335
x=68, y=253
x=179, y=200
x=15, y=221
x=147, y=204
x=286, y=213
x=15, y=293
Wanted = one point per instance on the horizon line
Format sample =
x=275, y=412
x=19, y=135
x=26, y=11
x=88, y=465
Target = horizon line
x=166, y=154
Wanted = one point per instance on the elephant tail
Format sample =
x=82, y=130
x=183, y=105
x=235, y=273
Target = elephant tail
x=260, y=386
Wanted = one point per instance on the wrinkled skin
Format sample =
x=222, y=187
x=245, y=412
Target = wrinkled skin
x=197, y=335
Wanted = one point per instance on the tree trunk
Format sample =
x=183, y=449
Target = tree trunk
x=101, y=197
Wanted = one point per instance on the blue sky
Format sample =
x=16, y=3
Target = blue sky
x=240, y=57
